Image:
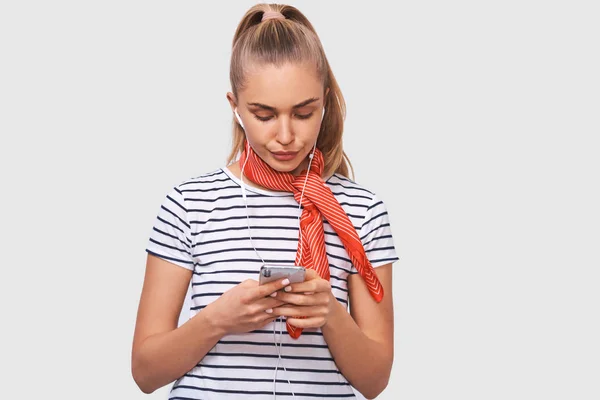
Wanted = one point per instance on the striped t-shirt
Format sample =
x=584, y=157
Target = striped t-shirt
x=202, y=226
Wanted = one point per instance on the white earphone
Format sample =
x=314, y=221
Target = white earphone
x=310, y=156
x=239, y=119
x=312, y=153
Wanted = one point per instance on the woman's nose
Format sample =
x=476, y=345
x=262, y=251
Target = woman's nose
x=285, y=134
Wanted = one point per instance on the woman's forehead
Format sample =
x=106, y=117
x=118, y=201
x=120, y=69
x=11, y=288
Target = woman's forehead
x=285, y=85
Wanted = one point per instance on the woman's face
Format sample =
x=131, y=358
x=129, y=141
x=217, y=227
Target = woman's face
x=281, y=109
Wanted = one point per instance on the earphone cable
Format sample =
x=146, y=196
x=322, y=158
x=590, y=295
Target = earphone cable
x=278, y=347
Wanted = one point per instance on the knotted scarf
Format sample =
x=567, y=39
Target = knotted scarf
x=317, y=201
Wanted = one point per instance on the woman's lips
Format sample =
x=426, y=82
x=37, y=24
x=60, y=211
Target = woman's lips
x=284, y=155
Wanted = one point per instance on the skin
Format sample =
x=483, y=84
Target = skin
x=162, y=352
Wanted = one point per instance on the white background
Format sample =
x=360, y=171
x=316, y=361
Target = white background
x=477, y=122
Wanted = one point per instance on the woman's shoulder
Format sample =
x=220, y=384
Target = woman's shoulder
x=343, y=186
x=212, y=179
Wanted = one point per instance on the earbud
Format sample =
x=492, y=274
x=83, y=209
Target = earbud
x=323, y=115
x=239, y=119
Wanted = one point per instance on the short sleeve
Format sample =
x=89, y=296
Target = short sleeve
x=376, y=235
x=170, y=238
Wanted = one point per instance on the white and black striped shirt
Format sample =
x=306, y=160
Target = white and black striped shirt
x=202, y=226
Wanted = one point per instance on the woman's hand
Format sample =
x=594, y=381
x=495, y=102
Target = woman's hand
x=247, y=306
x=309, y=303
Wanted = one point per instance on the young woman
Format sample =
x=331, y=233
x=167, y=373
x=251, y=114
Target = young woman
x=287, y=199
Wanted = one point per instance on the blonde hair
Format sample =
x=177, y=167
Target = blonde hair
x=278, y=41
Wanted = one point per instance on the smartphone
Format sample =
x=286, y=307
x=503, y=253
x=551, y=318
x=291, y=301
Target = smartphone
x=274, y=272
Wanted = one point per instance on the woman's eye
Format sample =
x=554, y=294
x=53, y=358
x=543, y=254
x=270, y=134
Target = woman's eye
x=262, y=118
x=300, y=116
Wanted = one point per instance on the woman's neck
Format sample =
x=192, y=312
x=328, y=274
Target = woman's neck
x=235, y=170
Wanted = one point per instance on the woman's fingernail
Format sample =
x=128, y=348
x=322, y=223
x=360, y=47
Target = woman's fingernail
x=287, y=288
x=286, y=281
x=269, y=310
x=273, y=294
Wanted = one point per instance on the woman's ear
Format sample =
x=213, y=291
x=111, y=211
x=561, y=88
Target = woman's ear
x=232, y=101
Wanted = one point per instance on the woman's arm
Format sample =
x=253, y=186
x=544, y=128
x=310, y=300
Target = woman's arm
x=163, y=352
x=362, y=342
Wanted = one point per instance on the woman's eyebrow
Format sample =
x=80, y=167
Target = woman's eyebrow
x=301, y=104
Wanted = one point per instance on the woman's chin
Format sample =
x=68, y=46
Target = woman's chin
x=286, y=166
x=283, y=166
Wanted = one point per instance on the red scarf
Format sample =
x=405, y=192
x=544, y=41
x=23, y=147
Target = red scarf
x=317, y=200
